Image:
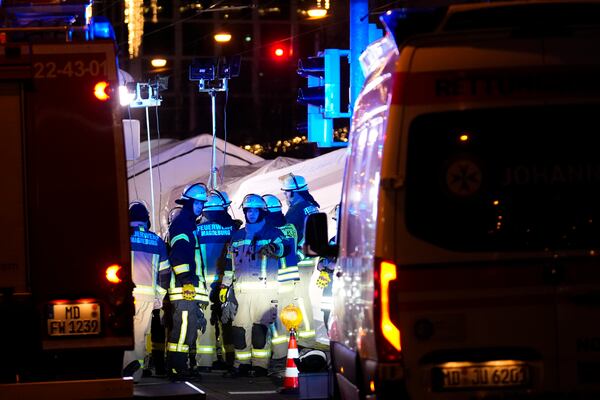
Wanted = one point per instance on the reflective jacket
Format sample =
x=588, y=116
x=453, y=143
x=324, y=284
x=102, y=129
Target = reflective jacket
x=297, y=214
x=214, y=236
x=251, y=270
x=288, y=265
x=149, y=264
x=186, y=262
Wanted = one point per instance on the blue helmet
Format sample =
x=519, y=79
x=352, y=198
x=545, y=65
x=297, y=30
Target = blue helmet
x=197, y=191
x=254, y=201
x=294, y=183
x=217, y=201
x=273, y=203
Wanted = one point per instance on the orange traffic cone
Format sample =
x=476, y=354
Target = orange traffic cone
x=290, y=381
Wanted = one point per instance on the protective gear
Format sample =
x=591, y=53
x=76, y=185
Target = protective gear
x=197, y=191
x=269, y=250
x=214, y=235
x=150, y=267
x=323, y=279
x=273, y=203
x=189, y=292
x=294, y=183
x=187, y=287
x=217, y=201
x=138, y=212
x=229, y=307
x=254, y=201
x=255, y=286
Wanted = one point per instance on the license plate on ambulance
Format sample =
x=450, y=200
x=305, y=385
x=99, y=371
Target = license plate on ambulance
x=493, y=375
x=74, y=319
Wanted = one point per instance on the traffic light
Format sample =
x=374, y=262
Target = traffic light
x=323, y=93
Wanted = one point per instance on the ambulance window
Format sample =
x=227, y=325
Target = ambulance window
x=505, y=179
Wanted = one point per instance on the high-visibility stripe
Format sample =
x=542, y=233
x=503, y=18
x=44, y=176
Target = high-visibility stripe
x=279, y=340
x=163, y=265
x=181, y=236
x=283, y=263
x=289, y=277
x=206, y=349
x=184, y=325
x=263, y=267
x=239, y=243
x=178, y=348
x=161, y=290
x=143, y=289
x=257, y=353
x=291, y=372
x=197, y=297
x=306, y=334
x=326, y=303
x=178, y=269
x=243, y=355
x=176, y=290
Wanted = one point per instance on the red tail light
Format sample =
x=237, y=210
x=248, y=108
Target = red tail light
x=389, y=335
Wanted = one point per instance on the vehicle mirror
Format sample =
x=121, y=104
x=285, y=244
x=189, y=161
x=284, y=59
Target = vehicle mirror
x=316, y=242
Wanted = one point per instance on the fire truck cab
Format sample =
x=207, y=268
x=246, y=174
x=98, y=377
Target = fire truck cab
x=65, y=282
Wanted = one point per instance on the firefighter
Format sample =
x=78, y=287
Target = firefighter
x=149, y=264
x=214, y=236
x=301, y=204
x=187, y=291
x=254, y=253
x=287, y=275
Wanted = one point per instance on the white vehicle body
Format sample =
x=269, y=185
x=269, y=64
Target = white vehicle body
x=468, y=264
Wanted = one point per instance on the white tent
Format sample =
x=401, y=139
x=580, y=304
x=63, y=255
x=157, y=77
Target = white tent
x=324, y=176
x=176, y=163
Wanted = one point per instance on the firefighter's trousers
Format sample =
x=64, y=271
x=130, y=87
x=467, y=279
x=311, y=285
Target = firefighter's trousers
x=182, y=339
x=141, y=327
x=206, y=352
x=257, y=310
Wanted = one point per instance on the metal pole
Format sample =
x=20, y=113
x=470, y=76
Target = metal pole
x=213, y=168
x=150, y=168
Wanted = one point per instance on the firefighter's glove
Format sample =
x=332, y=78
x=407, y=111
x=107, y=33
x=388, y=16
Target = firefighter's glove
x=269, y=250
x=323, y=280
x=189, y=291
x=223, y=294
x=201, y=321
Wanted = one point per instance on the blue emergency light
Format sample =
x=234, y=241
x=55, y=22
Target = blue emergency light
x=101, y=28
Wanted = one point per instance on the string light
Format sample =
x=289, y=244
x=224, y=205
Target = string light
x=134, y=18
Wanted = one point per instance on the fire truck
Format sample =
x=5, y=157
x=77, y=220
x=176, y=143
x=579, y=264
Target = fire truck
x=65, y=277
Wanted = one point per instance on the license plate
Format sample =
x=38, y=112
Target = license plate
x=74, y=319
x=480, y=376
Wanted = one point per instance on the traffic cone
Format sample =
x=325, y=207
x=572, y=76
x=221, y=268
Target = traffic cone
x=290, y=381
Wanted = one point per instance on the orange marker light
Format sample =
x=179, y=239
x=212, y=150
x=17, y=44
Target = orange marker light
x=112, y=273
x=390, y=331
x=464, y=137
x=101, y=91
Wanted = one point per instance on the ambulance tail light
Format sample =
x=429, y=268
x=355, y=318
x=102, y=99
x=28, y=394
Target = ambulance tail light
x=102, y=91
x=388, y=334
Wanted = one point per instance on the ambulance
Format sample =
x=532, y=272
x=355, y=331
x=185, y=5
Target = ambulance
x=468, y=247
x=66, y=308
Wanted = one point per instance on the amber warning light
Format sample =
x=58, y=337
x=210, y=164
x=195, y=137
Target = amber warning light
x=102, y=90
x=112, y=273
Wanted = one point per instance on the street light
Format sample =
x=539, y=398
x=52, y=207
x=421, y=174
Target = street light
x=222, y=37
x=158, y=62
